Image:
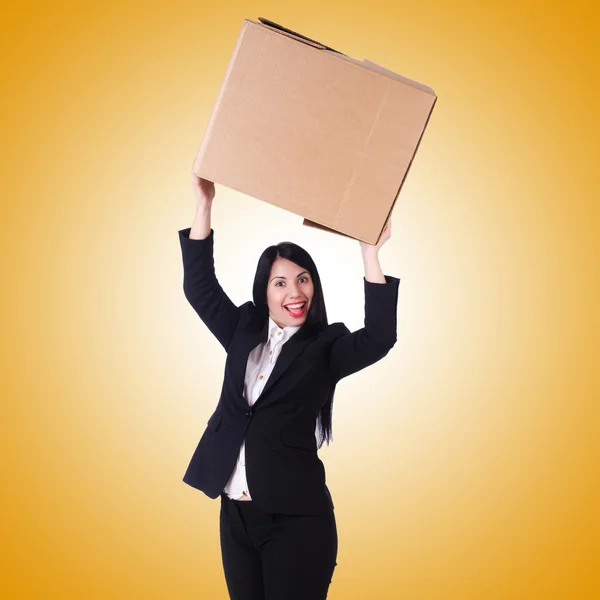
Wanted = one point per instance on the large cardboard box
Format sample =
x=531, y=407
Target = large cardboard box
x=306, y=128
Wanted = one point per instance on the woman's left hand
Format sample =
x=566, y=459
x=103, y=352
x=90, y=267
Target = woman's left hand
x=386, y=234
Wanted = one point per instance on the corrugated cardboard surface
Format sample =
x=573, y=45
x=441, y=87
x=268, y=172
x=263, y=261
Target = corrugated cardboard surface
x=313, y=131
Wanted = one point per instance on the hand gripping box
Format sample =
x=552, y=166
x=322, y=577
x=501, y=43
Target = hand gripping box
x=308, y=129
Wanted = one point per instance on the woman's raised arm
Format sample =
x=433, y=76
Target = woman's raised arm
x=352, y=352
x=200, y=284
x=204, y=191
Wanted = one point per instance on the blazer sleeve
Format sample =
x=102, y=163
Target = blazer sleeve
x=202, y=289
x=351, y=352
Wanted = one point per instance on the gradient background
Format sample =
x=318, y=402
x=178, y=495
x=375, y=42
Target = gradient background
x=465, y=465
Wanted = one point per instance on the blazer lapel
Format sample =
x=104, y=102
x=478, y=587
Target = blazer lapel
x=290, y=351
x=256, y=334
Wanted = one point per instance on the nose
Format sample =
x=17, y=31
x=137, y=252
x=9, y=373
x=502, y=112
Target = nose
x=295, y=293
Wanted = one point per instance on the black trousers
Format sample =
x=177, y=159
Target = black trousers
x=275, y=556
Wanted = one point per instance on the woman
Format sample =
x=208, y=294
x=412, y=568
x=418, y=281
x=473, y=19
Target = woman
x=259, y=451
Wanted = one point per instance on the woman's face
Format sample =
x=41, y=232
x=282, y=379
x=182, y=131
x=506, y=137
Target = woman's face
x=288, y=285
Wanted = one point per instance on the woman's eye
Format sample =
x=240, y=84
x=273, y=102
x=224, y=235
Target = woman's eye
x=301, y=278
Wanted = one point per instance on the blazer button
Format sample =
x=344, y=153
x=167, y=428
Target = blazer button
x=248, y=413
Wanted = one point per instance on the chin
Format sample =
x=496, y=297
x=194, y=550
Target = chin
x=287, y=320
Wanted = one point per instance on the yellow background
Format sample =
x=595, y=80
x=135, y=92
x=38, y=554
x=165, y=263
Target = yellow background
x=465, y=464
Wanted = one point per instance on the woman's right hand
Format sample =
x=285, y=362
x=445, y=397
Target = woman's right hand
x=204, y=190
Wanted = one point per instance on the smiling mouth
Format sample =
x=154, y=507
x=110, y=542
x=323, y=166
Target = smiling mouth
x=297, y=311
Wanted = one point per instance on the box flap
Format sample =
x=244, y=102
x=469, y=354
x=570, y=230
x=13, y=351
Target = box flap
x=316, y=225
x=415, y=84
x=293, y=34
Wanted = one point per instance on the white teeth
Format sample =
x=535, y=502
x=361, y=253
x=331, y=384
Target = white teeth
x=295, y=306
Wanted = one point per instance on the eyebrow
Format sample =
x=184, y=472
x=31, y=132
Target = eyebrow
x=282, y=277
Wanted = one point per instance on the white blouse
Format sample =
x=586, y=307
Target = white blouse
x=261, y=362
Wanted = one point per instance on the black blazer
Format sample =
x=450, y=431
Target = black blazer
x=283, y=470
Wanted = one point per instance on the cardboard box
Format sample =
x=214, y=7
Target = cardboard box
x=308, y=129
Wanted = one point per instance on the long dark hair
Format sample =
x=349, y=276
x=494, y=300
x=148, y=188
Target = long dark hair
x=316, y=319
